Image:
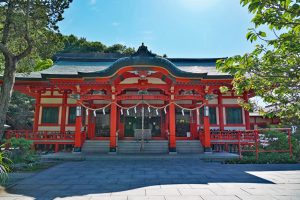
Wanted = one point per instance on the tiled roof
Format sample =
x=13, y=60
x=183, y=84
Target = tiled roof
x=72, y=64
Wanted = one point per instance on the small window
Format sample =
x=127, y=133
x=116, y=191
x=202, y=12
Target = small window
x=72, y=115
x=234, y=116
x=50, y=115
x=212, y=115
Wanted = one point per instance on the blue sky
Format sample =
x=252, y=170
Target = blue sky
x=178, y=28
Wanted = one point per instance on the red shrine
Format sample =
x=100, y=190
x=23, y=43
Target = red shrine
x=144, y=99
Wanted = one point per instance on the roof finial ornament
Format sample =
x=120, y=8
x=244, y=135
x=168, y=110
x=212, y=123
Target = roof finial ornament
x=143, y=52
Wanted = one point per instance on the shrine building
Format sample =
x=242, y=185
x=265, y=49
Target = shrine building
x=107, y=101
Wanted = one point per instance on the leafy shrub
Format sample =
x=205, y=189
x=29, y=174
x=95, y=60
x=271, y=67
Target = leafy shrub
x=279, y=140
x=4, y=167
x=271, y=140
x=264, y=158
x=20, y=151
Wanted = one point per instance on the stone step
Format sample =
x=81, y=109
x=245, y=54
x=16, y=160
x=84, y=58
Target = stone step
x=153, y=146
x=95, y=146
x=133, y=146
x=189, y=146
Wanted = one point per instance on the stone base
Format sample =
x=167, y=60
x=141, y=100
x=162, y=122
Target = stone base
x=77, y=150
x=112, y=150
x=207, y=150
x=172, y=150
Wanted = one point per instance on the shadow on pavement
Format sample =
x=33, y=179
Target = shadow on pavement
x=96, y=177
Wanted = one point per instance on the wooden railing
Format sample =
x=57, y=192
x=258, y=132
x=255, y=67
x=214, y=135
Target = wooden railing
x=234, y=136
x=41, y=135
x=245, y=140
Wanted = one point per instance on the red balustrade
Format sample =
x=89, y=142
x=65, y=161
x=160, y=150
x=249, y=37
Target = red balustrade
x=245, y=140
x=42, y=135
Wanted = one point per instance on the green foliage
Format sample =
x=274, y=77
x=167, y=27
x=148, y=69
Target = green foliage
x=43, y=64
x=271, y=70
x=279, y=140
x=20, y=151
x=20, y=112
x=73, y=44
x=4, y=167
x=265, y=158
x=223, y=89
x=276, y=141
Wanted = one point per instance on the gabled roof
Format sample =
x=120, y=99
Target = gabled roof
x=73, y=65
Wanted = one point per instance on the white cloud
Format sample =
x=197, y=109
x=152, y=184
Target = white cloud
x=115, y=24
x=93, y=2
x=199, y=5
x=147, y=35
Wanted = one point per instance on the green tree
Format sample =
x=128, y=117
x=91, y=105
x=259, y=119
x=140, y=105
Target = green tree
x=25, y=25
x=272, y=69
x=20, y=112
x=73, y=44
x=119, y=48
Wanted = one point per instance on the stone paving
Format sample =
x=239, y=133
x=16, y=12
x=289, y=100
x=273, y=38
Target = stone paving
x=179, y=179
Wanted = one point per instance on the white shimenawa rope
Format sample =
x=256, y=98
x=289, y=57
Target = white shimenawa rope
x=141, y=102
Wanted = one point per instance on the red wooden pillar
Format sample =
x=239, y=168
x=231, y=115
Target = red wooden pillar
x=78, y=125
x=37, y=112
x=247, y=117
x=63, y=112
x=172, y=136
x=166, y=125
x=113, y=127
x=93, y=124
x=221, y=114
x=207, y=146
x=90, y=121
x=56, y=148
x=193, y=124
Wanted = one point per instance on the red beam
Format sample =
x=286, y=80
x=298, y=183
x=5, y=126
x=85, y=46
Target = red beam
x=140, y=97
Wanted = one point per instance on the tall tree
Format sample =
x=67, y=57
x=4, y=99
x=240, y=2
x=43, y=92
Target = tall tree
x=73, y=44
x=272, y=69
x=23, y=26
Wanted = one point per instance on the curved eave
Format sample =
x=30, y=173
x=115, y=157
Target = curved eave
x=219, y=77
x=47, y=76
x=25, y=79
x=29, y=79
x=138, y=62
x=143, y=62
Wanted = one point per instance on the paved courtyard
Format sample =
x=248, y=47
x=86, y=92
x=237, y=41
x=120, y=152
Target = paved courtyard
x=178, y=179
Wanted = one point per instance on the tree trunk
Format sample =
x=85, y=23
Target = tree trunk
x=6, y=90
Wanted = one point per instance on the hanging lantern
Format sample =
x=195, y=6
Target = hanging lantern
x=156, y=112
x=165, y=110
x=94, y=113
x=127, y=111
x=78, y=111
x=103, y=111
x=182, y=111
x=206, y=111
x=135, y=110
x=121, y=111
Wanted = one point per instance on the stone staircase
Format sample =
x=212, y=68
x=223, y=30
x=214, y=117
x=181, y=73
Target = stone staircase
x=150, y=147
x=95, y=146
x=189, y=146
